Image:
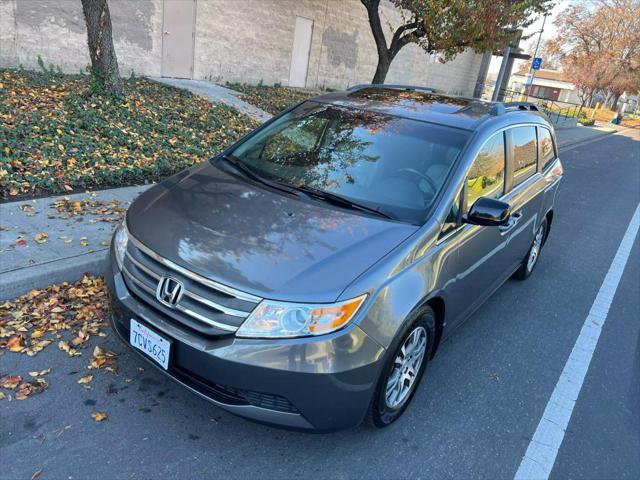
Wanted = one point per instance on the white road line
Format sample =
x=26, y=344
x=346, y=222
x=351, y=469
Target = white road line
x=543, y=448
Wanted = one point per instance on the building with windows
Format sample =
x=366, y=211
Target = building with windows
x=547, y=84
x=301, y=43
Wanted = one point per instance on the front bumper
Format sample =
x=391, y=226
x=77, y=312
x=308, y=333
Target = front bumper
x=319, y=384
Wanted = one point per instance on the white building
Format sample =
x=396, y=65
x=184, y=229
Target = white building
x=547, y=84
x=312, y=43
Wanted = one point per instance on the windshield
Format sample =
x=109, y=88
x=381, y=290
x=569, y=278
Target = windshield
x=394, y=165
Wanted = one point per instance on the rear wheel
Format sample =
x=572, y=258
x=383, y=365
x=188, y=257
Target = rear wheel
x=403, y=370
x=533, y=255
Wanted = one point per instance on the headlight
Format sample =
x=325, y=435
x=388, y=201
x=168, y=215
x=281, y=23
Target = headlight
x=282, y=320
x=120, y=240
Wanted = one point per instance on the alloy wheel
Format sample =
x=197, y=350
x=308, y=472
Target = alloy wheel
x=534, y=253
x=406, y=367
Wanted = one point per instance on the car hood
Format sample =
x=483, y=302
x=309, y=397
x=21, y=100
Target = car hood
x=260, y=241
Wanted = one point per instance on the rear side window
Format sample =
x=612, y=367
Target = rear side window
x=525, y=153
x=486, y=177
x=547, y=152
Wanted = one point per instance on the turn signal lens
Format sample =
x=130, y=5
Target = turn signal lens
x=285, y=320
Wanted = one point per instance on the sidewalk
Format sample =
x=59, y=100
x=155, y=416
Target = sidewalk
x=216, y=93
x=578, y=134
x=56, y=239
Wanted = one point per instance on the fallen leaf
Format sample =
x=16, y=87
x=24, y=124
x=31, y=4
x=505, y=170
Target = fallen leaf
x=15, y=343
x=37, y=333
x=10, y=381
x=29, y=388
x=36, y=474
x=72, y=352
x=99, y=416
x=86, y=379
x=61, y=430
x=41, y=237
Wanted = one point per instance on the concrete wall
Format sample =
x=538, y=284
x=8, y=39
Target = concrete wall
x=342, y=52
x=55, y=30
x=235, y=41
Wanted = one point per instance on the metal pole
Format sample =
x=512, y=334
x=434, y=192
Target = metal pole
x=503, y=68
x=532, y=72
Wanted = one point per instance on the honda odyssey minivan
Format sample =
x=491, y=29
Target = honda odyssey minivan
x=305, y=276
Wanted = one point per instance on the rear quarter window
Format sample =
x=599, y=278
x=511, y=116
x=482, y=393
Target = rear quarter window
x=547, y=150
x=525, y=153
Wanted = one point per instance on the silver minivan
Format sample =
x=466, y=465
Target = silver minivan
x=305, y=276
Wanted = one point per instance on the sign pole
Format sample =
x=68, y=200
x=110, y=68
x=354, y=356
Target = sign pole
x=532, y=71
x=503, y=69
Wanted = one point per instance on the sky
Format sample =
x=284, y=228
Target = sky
x=533, y=29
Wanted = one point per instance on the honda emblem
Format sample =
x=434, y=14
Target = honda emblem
x=169, y=291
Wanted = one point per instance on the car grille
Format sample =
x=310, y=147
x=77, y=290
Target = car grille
x=205, y=306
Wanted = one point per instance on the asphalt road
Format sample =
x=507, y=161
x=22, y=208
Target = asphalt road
x=473, y=416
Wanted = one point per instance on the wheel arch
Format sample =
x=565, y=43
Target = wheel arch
x=438, y=306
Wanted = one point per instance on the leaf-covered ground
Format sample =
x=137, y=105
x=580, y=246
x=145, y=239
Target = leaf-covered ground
x=272, y=99
x=66, y=315
x=56, y=137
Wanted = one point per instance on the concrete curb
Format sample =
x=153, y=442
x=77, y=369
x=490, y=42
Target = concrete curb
x=18, y=282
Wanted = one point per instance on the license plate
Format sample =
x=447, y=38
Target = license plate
x=150, y=343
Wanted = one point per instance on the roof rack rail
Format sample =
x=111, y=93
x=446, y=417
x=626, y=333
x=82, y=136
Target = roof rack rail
x=393, y=86
x=501, y=108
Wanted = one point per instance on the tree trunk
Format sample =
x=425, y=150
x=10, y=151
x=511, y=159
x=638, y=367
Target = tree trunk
x=381, y=70
x=104, y=64
x=385, y=54
x=614, y=103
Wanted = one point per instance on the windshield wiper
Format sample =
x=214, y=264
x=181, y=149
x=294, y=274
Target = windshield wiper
x=339, y=200
x=298, y=189
x=249, y=173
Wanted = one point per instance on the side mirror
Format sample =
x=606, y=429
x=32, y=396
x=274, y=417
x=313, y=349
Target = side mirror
x=489, y=212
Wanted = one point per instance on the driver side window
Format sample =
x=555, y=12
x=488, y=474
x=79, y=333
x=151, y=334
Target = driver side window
x=486, y=176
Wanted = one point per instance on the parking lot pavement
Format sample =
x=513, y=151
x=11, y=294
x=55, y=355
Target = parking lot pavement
x=473, y=416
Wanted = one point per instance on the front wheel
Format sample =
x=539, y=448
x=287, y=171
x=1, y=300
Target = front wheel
x=403, y=370
x=533, y=255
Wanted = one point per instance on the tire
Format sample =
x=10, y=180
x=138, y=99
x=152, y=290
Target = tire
x=383, y=411
x=532, y=257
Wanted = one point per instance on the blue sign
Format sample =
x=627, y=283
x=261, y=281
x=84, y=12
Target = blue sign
x=537, y=63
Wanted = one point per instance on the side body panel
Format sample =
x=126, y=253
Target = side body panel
x=423, y=268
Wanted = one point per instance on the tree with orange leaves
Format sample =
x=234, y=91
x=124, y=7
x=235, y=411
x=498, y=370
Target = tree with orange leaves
x=599, y=47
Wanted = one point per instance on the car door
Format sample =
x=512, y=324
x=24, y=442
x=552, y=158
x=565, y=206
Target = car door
x=481, y=249
x=525, y=188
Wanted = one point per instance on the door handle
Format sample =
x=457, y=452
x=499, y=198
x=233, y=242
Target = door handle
x=513, y=221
